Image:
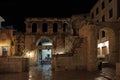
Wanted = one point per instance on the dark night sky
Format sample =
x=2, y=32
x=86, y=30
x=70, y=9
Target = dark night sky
x=14, y=12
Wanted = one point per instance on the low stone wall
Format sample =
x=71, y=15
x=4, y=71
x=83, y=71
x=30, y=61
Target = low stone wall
x=67, y=63
x=14, y=64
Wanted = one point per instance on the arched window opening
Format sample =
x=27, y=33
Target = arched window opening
x=55, y=27
x=44, y=27
x=40, y=44
x=103, y=34
x=65, y=25
x=34, y=27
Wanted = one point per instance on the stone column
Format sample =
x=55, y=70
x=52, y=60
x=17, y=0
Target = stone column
x=28, y=27
x=92, y=49
x=59, y=27
x=48, y=27
x=70, y=29
x=40, y=27
x=51, y=28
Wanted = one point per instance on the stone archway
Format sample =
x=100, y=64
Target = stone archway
x=45, y=48
x=111, y=46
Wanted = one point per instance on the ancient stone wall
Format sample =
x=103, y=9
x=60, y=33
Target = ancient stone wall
x=88, y=32
x=14, y=64
x=111, y=35
x=5, y=41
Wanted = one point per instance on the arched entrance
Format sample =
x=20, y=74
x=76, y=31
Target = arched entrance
x=106, y=44
x=44, y=52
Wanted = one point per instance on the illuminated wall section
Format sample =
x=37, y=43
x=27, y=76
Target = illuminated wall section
x=4, y=49
x=103, y=49
x=5, y=44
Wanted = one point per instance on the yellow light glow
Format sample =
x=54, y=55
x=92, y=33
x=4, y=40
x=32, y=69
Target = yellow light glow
x=100, y=45
x=30, y=54
x=104, y=44
x=60, y=52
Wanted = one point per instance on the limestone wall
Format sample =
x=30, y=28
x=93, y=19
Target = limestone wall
x=66, y=63
x=88, y=33
x=12, y=64
x=117, y=71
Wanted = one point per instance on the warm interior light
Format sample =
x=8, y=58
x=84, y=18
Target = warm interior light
x=60, y=52
x=104, y=44
x=29, y=54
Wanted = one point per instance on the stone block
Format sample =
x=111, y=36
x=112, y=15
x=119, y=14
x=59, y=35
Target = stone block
x=14, y=64
x=117, y=69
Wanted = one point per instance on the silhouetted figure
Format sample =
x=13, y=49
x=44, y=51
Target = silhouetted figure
x=100, y=66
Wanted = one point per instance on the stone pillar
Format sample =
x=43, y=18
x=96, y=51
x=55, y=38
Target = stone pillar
x=70, y=29
x=48, y=27
x=38, y=27
x=41, y=27
x=28, y=27
x=51, y=28
x=59, y=27
x=92, y=49
x=54, y=63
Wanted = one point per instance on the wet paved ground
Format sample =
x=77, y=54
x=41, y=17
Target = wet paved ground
x=44, y=73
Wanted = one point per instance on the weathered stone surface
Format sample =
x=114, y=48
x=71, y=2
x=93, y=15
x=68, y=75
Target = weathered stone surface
x=14, y=64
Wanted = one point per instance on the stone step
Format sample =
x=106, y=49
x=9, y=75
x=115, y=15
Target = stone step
x=101, y=78
x=108, y=75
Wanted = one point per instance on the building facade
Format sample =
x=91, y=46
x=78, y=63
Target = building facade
x=75, y=43
x=105, y=14
x=106, y=11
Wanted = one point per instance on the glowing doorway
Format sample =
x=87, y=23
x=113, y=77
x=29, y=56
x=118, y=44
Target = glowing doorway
x=103, y=50
x=45, y=54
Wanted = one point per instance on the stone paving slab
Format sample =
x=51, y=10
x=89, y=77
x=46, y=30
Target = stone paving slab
x=100, y=78
x=47, y=74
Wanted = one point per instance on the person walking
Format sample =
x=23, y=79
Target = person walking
x=100, y=66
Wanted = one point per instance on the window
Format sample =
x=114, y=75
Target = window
x=65, y=27
x=103, y=5
x=44, y=27
x=92, y=15
x=103, y=34
x=110, y=1
x=34, y=27
x=55, y=27
x=97, y=11
x=110, y=13
x=103, y=18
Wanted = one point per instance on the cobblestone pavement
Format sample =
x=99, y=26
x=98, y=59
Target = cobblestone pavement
x=45, y=73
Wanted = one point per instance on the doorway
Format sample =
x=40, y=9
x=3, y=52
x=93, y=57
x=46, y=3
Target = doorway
x=44, y=54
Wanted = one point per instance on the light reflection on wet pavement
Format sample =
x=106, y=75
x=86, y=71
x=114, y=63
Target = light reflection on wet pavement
x=44, y=73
